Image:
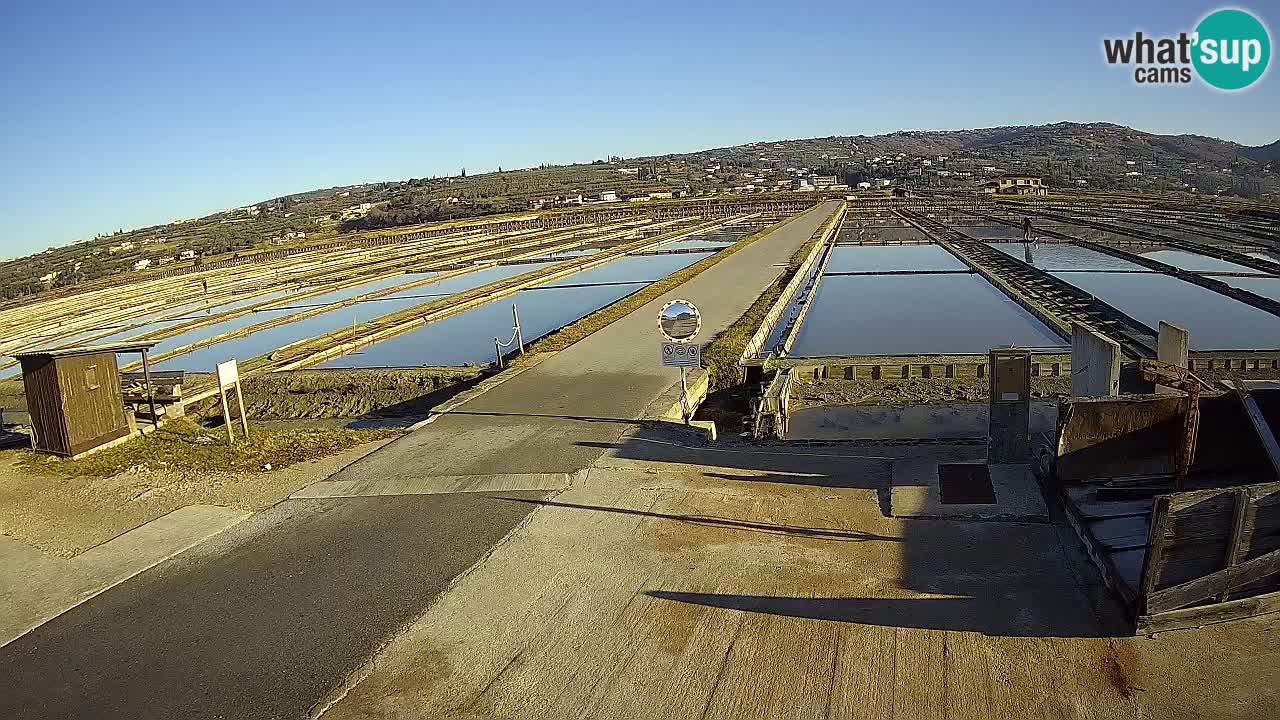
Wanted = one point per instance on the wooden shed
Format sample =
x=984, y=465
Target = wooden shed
x=73, y=397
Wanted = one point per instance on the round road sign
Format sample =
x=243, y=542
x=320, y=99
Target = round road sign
x=679, y=321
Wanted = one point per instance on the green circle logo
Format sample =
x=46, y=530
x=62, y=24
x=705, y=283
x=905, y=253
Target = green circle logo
x=1232, y=49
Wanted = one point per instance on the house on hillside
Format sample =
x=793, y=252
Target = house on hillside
x=1016, y=185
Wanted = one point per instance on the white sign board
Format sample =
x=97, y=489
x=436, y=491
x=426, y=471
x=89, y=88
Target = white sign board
x=228, y=373
x=681, y=355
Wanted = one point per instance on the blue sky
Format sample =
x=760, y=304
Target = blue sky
x=124, y=114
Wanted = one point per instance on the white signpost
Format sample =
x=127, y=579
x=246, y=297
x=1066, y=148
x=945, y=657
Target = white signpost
x=228, y=377
x=679, y=321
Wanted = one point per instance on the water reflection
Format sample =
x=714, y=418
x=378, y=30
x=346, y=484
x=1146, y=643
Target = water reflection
x=899, y=314
x=1216, y=322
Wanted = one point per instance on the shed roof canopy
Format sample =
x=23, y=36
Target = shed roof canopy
x=138, y=346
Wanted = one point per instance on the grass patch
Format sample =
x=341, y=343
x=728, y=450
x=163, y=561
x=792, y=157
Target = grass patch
x=597, y=320
x=720, y=357
x=183, y=445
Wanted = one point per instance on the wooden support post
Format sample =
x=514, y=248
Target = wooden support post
x=1262, y=428
x=244, y=414
x=1153, y=562
x=226, y=414
x=151, y=395
x=1235, y=543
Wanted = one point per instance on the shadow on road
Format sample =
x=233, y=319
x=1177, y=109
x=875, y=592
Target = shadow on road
x=581, y=418
x=996, y=578
x=770, y=528
x=815, y=467
x=946, y=613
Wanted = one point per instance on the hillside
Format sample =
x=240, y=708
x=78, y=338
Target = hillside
x=1096, y=156
x=1265, y=153
x=1088, y=146
x=1066, y=141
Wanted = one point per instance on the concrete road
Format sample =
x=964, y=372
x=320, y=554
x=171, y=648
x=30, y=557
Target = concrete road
x=274, y=615
x=555, y=417
x=260, y=622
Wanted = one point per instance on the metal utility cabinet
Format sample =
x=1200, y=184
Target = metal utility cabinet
x=1009, y=439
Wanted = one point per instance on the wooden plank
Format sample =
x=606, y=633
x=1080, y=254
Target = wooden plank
x=1185, y=562
x=1261, y=427
x=1153, y=563
x=1236, y=544
x=1209, y=614
x=1180, y=596
x=1216, y=500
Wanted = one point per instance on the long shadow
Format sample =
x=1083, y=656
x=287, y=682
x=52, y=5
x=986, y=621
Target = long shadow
x=709, y=521
x=581, y=418
x=995, y=578
x=972, y=614
x=821, y=481
x=791, y=466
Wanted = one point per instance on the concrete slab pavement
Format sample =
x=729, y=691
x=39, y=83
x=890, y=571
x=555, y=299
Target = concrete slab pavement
x=436, y=485
x=916, y=491
x=35, y=587
x=766, y=585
